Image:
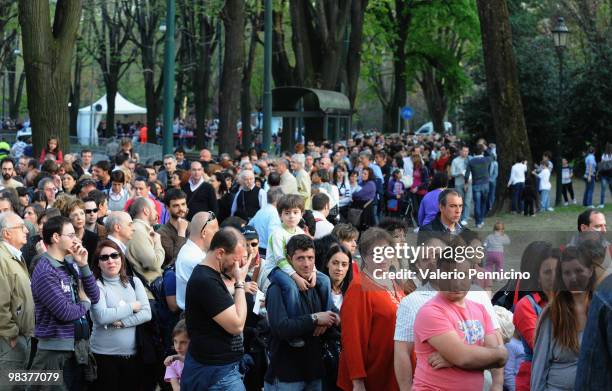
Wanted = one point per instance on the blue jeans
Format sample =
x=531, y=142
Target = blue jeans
x=587, y=199
x=291, y=293
x=197, y=377
x=544, y=199
x=313, y=385
x=606, y=181
x=517, y=199
x=480, y=192
x=466, y=195
x=491, y=198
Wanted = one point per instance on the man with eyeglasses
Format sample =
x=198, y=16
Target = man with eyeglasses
x=63, y=288
x=16, y=302
x=203, y=227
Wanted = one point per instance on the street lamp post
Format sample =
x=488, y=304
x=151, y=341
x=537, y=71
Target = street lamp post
x=560, y=36
x=169, y=77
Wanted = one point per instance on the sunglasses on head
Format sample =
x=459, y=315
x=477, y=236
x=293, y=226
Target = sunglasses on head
x=211, y=217
x=88, y=211
x=106, y=257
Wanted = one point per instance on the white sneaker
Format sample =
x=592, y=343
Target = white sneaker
x=565, y=204
x=550, y=209
x=601, y=206
x=591, y=207
x=464, y=223
x=479, y=225
x=575, y=202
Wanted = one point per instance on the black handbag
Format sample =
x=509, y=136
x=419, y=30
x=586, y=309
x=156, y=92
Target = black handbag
x=149, y=343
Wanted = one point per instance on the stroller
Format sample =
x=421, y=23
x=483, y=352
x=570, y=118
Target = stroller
x=404, y=210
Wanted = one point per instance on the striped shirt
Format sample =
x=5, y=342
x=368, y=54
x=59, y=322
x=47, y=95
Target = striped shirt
x=54, y=299
x=411, y=304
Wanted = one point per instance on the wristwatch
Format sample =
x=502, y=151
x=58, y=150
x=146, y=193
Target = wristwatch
x=239, y=285
x=314, y=319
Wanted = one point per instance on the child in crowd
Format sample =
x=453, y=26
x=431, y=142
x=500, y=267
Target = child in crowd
x=530, y=195
x=567, y=174
x=174, y=364
x=395, y=193
x=516, y=352
x=494, y=245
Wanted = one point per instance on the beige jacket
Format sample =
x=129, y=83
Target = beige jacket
x=16, y=301
x=145, y=256
x=303, y=186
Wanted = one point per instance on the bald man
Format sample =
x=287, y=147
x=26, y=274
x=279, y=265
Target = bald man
x=203, y=227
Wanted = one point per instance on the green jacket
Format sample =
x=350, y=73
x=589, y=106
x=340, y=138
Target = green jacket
x=16, y=302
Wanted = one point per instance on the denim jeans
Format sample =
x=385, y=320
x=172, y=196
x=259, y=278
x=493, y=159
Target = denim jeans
x=544, y=200
x=313, y=385
x=466, y=195
x=517, y=198
x=491, y=198
x=197, y=377
x=291, y=293
x=480, y=193
x=587, y=199
x=606, y=181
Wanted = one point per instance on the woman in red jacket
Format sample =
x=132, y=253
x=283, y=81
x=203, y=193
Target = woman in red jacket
x=368, y=319
x=540, y=260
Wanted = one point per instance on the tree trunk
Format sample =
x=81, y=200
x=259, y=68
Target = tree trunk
x=435, y=99
x=152, y=92
x=247, y=77
x=112, y=86
x=233, y=59
x=47, y=56
x=503, y=90
x=15, y=105
x=353, y=59
x=75, y=95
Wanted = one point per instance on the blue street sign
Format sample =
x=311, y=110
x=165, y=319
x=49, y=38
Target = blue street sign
x=407, y=112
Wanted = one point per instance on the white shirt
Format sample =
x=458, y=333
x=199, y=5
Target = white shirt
x=517, y=174
x=119, y=243
x=544, y=176
x=323, y=226
x=193, y=187
x=411, y=304
x=189, y=256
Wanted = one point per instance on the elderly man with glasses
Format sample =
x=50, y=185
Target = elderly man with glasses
x=203, y=227
x=16, y=302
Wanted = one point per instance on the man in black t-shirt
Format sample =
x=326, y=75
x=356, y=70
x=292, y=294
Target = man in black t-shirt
x=215, y=319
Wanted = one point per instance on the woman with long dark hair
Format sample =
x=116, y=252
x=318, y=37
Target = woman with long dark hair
x=540, y=260
x=122, y=306
x=559, y=333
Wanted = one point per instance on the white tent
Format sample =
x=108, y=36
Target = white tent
x=90, y=116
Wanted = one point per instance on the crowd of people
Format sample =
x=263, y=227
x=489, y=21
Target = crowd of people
x=258, y=272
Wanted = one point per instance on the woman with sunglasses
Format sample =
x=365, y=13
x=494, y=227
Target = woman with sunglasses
x=123, y=305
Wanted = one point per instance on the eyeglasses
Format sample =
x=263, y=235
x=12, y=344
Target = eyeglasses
x=211, y=217
x=253, y=244
x=106, y=257
x=71, y=235
x=20, y=226
x=88, y=211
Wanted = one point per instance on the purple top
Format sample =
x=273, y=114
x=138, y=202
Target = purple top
x=367, y=192
x=429, y=207
x=55, y=309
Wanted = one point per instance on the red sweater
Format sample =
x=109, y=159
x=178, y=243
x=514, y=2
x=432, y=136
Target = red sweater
x=368, y=324
x=525, y=320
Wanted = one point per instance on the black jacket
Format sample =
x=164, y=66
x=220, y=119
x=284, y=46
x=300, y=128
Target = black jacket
x=436, y=226
x=203, y=199
x=289, y=364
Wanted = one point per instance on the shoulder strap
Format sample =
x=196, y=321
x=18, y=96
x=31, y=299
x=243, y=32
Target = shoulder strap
x=536, y=307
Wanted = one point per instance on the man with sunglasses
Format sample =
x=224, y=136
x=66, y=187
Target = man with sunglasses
x=63, y=288
x=16, y=302
x=203, y=227
x=91, y=218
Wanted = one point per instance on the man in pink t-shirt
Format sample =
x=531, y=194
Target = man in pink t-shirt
x=454, y=338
